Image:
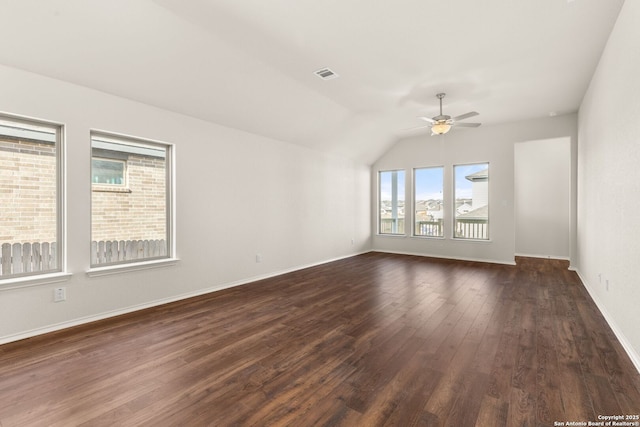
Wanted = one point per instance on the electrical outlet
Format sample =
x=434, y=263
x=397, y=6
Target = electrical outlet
x=607, y=282
x=352, y=241
x=59, y=294
x=600, y=277
x=258, y=257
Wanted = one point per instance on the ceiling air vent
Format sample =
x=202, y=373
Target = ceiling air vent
x=326, y=74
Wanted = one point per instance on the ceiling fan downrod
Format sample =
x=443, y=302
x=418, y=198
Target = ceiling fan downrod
x=440, y=96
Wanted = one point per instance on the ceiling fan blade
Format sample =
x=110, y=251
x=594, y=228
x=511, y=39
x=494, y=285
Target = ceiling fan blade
x=416, y=128
x=427, y=119
x=465, y=116
x=467, y=125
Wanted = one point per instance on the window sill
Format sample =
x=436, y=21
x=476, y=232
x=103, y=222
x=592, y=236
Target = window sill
x=97, y=188
x=461, y=239
x=134, y=266
x=395, y=236
x=36, y=280
x=428, y=237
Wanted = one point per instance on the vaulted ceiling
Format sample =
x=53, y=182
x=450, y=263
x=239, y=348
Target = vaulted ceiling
x=249, y=64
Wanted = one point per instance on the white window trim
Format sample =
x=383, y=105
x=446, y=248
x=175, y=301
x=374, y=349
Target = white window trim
x=33, y=280
x=60, y=273
x=413, y=204
x=133, y=266
x=453, y=206
x=170, y=259
x=379, y=201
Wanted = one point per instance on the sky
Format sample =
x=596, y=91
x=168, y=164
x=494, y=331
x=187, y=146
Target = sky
x=429, y=182
x=385, y=184
x=463, y=185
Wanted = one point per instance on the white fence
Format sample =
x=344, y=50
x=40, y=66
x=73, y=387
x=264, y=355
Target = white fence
x=22, y=258
x=110, y=251
x=19, y=258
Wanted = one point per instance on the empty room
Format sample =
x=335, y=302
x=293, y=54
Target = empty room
x=294, y=213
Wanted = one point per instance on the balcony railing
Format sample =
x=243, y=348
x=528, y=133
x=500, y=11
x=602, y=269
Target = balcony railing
x=392, y=226
x=472, y=228
x=465, y=228
x=429, y=228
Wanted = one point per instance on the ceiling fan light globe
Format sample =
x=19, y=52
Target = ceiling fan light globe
x=440, y=128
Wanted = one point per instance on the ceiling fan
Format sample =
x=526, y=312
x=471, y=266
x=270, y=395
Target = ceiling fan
x=442, y=123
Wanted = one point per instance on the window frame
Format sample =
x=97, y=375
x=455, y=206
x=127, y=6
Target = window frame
x=136, y=142
x=58, y=273
x=414, y=203
x=379, y=204
x=454, y=233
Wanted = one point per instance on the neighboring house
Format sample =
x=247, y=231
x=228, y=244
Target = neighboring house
x=436, y=214
x=479, y=188
x=429, y=210
x=386, y=209
x=472, y=220
x=27, y=186
x=120, y=210
x=463, y=209
x=482, y=213
x=390, y=223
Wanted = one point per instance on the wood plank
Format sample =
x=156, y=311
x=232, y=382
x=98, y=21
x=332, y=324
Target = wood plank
x=6, y=259
x=36, y=257
x=493, y=412
x=377, y=370
x=47, y=262
x=26, y=258
x=400, y=401
x=522, y=408
x=376, y=339
x=467, y=406
x=602, y=396
x=548, y=396
x=16, y=258
x=454, y=380
x=122, y=249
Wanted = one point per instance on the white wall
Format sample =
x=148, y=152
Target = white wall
x=609, y=181
x=543, y=198
x=493, y=144
x=238, y=194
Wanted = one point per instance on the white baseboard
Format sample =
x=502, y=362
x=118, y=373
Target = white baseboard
x=628, y=348
x=562, y=258
x=105, y=315
x=491, y=261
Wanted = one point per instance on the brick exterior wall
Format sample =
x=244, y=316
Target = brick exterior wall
x=137, y=212
x=27, y=191
x=28, y=199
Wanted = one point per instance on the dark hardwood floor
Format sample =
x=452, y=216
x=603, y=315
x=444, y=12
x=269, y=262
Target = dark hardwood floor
x=372, y=340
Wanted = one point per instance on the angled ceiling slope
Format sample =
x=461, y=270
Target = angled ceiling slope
x=250, y=64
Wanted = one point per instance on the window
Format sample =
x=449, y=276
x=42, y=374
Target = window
x=391, y=197
x=427, y=202
x=471, y=201
x=108, y=172
x=30, y=198
x=131, y=200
